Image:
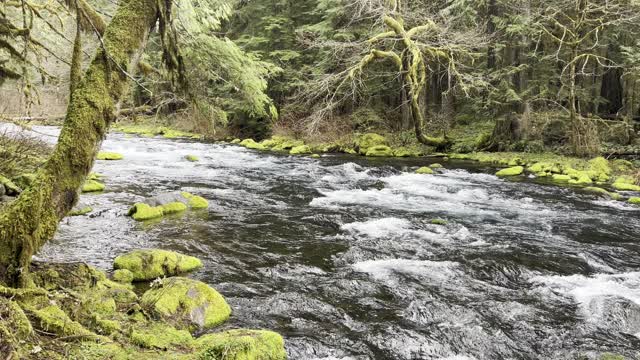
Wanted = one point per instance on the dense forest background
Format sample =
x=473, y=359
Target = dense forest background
x=485, y=75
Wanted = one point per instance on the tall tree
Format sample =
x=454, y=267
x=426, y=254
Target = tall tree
x=31, y=220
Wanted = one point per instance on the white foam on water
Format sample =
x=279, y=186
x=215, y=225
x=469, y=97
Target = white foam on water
x=391, y=227
x=458, y=357
x=436, y=271
x=619, y=205
x=592, y=292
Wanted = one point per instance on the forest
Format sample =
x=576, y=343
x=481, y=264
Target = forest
x=319, y=179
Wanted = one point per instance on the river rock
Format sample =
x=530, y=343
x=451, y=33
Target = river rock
x=186, y=303
x=153, y=263
x=512, y=171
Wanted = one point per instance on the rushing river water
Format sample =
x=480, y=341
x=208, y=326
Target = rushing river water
x=339, y=255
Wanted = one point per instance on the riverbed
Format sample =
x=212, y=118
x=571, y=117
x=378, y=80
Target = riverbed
x=340, y=255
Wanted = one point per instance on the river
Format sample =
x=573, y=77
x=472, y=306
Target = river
x=339, y=254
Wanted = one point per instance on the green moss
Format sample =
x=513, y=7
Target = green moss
x=196, y=202
x=512, y=171
x=160, y=336
x=285, y=144
x=192, y=158
x=105, y=155
x=561, y=177
x=124, y=276
x=173, y=207
x=11, y=188
x=55, y=320
x=92, y=186
x=251, y=144
x=315, y=156
x=610, y=356
x=625, y=183
x=436, y=166
x=242, y=345
x=24, y=181
x=186, y=303
x=82, y=211
x=405, y=152
x=300, y=150
x=439, y=222
x=366, y=141
x=14, y=324
x=142, y=212
x=634, y=200
x=153, y=263
x=601, y=171
x=379, y=151
x=236, y=141
x=107, y=327
x=425, y=170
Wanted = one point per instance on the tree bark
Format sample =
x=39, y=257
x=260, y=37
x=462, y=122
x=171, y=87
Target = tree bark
x=32, y=219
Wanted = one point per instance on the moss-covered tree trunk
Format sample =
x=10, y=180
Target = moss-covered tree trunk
x=32, y=219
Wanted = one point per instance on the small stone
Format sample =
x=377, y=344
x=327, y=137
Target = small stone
x=192, y=158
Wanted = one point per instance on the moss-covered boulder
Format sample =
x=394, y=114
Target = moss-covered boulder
x=425, y=170
x=153, y=263
x=242, y=344
x=236, y=141
x=195, y=201
x=512, y=171
x=92, y=186
x=315, y=156
x=142, y=212
x=603, y=192
x=123, y=276
x=634, y=200
x=192, y=158
x=625, y=183
x=252, y=144
x=186, y=303
x=366, y=141
x=80, y=210
x=301, y=150
x=160, y=336
x=379, y=151
x=173, y=207
x=105, y=155
x=439, y=222
x=436, y=166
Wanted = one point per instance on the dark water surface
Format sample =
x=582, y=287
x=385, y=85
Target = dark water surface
x=338, y=254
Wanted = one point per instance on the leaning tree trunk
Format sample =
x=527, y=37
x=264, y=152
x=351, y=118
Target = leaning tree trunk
x=32, y=219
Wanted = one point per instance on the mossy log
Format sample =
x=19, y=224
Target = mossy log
x=30, y=221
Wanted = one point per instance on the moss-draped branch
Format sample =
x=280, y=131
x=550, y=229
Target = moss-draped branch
x=32, y=219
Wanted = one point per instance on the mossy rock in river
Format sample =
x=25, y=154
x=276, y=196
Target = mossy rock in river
x=425, y=170
x=106, y=155
x=80, y=210
x=165, y=204
x=186, y=304
x=153, y=263
x=92, y=186
x=512, y=171
x=192, y=158
x=634, y=200
x=625, y=183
